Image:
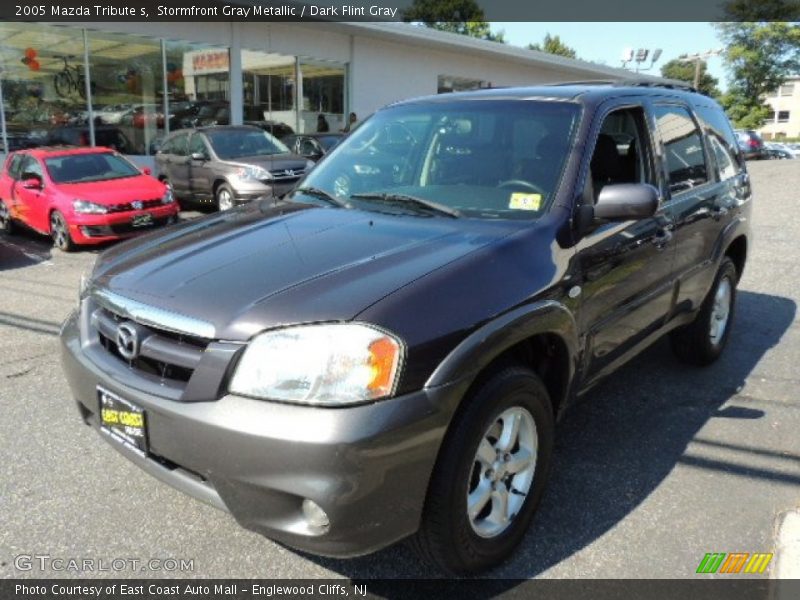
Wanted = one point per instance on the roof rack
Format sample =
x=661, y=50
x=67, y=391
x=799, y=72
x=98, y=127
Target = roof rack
x=663, y=83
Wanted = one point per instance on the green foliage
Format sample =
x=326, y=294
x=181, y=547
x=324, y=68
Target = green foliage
x=684, y=71
x=759, y=56
x=464, y=17
x=553, y=45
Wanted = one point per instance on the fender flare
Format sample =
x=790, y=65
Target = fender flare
x=491, y=339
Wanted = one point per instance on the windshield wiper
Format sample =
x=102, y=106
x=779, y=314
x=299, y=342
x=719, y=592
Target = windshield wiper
x=416, y=202
x=318, y=193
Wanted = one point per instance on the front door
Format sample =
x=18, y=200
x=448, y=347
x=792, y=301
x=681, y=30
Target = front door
x=200, y=173
x=626, y=267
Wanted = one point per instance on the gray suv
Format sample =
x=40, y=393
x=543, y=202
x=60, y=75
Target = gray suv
x=227, y=165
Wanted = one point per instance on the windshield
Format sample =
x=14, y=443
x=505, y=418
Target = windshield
x=237, y=144
x=329, y=141
x=82, y=168
x=491, y=159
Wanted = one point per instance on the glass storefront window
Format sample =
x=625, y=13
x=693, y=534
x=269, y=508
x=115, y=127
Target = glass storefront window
x=44, y=94
x=198, y=81
x=268, y=85
x=127, y=91
x=323, y=96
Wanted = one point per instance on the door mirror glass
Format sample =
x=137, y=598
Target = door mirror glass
x=32, y=183
x=626, y=201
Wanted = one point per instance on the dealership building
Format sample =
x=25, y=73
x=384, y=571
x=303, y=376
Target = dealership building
x=109, y=81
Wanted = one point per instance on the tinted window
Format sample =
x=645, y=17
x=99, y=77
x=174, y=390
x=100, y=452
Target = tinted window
x=82, y=168
x=723, y=141
x=14, y=166
x=683, y=148
x=230, y=144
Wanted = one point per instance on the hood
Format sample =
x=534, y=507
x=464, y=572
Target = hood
x=115, y=191
x=271, y=162
x=265, y=265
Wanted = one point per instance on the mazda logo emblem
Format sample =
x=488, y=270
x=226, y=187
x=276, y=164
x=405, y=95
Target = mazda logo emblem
x=137, y=205
x=127, y=341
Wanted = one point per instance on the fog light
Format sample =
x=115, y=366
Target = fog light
x=315, y=516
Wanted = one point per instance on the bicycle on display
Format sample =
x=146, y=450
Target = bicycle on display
x=70, y=80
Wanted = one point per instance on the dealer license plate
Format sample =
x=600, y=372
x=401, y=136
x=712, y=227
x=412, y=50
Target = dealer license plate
x=123, y=420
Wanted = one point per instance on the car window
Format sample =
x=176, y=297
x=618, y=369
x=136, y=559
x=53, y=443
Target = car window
x=197, y=145
x=230, y=144
x=176, y=145
x=328, y=141
x=83, y=168
x=14, y=166
x=31, y=168
x=498, y=159
x=724, y=142
x=308, y=146
x=683, y=148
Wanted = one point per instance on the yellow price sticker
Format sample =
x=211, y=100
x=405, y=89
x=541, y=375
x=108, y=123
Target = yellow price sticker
x=525, y=201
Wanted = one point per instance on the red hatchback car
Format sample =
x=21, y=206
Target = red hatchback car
x=81, y=195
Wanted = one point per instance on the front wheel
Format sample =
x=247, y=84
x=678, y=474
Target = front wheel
x=59, y=231
x=490, y=474
x=702, y=341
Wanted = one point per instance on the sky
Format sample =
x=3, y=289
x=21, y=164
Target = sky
x=605, y=42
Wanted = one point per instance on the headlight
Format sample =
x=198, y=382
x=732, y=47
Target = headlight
x=253, y=173
x=89, y=208
x=329, y=365
x=168, y=197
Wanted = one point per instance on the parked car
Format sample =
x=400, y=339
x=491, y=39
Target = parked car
x=112, y=113
x=384, y=354
x=751, y=144
x=227, y=165
x=777, y=151
x=108, y=136
x=20, y=137
x=81, y=196
x=313, y=146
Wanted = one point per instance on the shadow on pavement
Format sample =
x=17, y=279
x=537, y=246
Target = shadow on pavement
x=619, y=442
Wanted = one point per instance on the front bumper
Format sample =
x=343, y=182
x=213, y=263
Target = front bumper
x=367, y=466
x=96, y=229
x=246, y=191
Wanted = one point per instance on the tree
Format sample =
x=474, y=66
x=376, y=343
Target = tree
x=553, y=45
x=684, y=71
x=759, y=56
x=464, y=17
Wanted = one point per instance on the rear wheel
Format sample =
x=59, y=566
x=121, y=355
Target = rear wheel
x=224, y=197
x=6, y=222
x=702, y=341
x=490, y=474
x=59, y=231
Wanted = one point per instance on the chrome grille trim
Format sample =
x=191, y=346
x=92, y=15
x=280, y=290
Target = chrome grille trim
x=152, y=316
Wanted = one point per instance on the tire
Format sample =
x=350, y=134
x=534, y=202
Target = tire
x=6, y=222
x=702, y=341
x=63, y=84
x=59, y=231
x=452, y=538
x=224, y=197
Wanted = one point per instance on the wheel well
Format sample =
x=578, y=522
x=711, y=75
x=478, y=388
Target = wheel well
x=546, y=354
x=216, y=185
x=737, y=252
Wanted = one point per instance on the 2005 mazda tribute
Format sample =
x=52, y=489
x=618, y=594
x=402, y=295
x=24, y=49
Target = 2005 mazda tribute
x=383, y=353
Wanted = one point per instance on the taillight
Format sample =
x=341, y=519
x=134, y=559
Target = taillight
x=753, y=143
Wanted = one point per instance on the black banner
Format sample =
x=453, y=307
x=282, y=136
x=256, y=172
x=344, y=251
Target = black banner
x=732, y=588
x=400, y=10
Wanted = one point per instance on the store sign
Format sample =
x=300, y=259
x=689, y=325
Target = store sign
x=211, y=61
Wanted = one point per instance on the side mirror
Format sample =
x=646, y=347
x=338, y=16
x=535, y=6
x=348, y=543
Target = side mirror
x=147, y=171
x=198, y=156
x=626, y=201
x=32, y=183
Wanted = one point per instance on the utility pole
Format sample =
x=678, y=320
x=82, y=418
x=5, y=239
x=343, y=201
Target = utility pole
x=699, y=58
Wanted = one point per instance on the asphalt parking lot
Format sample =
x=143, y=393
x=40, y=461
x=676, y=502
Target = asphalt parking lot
x=656, y=467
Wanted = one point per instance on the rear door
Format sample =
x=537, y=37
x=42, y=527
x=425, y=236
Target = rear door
x=707, y=181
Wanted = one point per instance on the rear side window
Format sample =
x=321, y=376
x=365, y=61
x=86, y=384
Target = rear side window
x=14, y=166
x=683, y=148
x=723, y=142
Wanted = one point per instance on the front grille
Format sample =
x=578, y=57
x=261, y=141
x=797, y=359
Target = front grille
x=287, y=174
x=162, y=355
x=121, y=228
x=128, y=206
